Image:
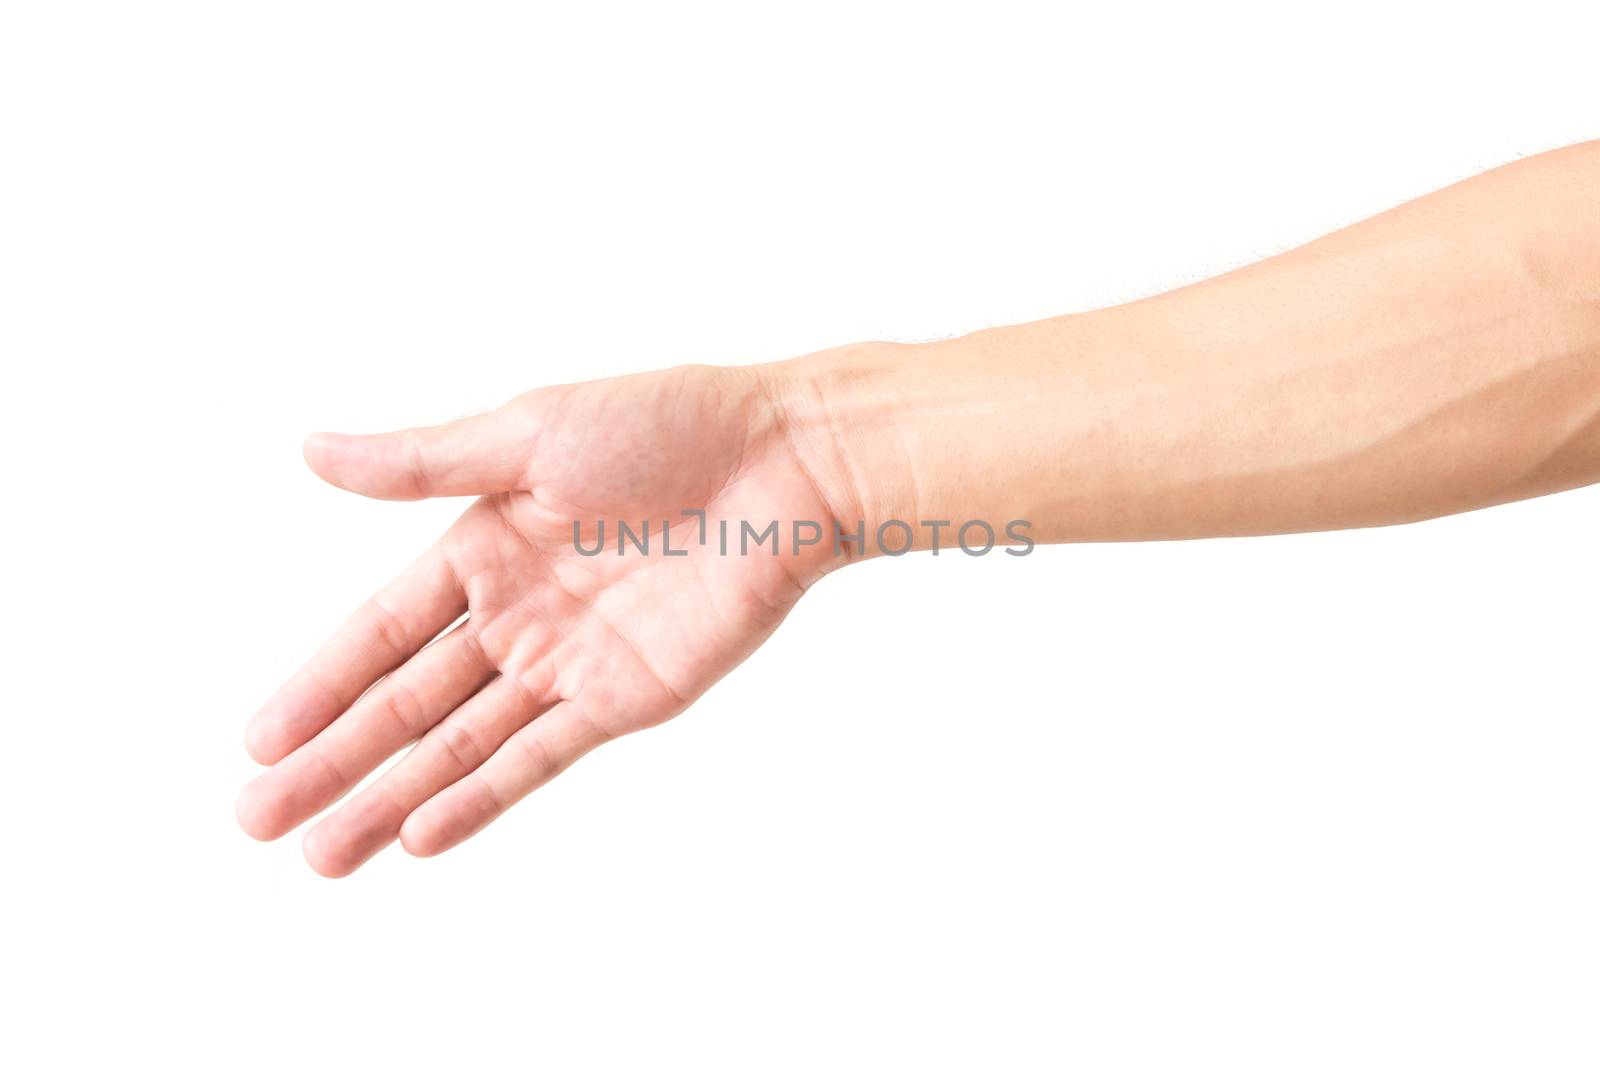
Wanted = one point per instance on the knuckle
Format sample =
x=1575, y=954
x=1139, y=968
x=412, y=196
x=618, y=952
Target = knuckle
x=388, y=629
x=541, y=761
x=400, y=702
x=459, y=744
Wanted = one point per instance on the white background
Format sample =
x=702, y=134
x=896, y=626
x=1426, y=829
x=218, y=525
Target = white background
x=1324, y=799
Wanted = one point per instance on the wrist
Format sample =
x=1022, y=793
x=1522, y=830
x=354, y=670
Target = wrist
x=850, y=416
x=899, y=438
x=830, y=411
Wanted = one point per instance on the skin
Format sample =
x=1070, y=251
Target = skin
x=1440, y=357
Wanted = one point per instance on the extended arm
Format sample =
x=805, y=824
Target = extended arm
x=1440, y=357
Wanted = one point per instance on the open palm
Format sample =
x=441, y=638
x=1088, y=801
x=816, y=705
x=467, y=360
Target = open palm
x=560, y=649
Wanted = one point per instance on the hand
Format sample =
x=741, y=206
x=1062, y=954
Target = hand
x=558, y=651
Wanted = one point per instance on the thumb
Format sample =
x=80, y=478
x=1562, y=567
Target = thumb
x=468, y=457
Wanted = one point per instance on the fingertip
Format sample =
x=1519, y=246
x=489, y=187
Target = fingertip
x=322, y=441
x=323, y=859
x=260, y=745
x=319, y=450
x=420, y=840
x=256, y=815
x=368, y=464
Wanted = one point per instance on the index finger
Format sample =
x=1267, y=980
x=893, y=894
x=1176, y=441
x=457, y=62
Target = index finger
x=382, y=634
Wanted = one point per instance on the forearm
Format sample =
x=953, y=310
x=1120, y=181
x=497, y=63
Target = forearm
x=1439, y=357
